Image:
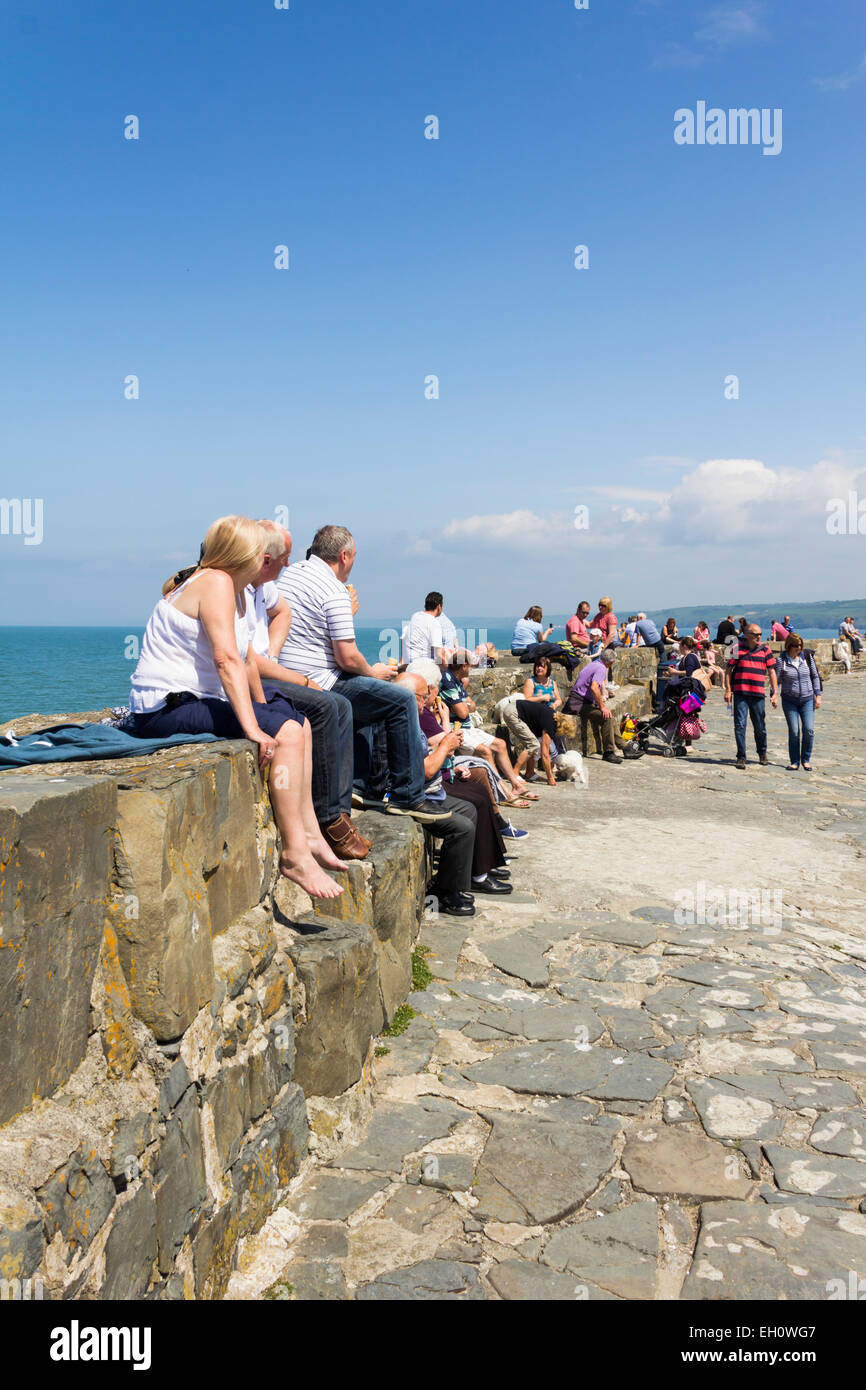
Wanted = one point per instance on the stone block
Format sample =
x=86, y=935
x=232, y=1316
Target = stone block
x=111, y=1009
x=176, y=1082
x=270, y=1066
x=293, y=1135
x=214, y=1248
x=246, y=946
x=20, y=1233
x=180, y=1179
x=131, y=1138
x=55, y=851
x=385, y=892
x=77, y=1199
x=337, y=964
x=226, y=1094
x=130, y=1251
x=397, y=887
x=187, y=859
x=269, y=1162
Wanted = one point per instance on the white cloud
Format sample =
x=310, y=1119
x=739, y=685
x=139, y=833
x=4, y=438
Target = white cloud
x=634, y=494
x=844, y=80
x=716, y=504
x=725, y=26
x=722, y=28
x=523, y=526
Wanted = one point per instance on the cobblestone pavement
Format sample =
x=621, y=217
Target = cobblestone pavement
x=642, y=1075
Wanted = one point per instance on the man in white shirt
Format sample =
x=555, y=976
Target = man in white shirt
x=422, y=635
x=321, y=644
x=847, y=629
x=330, y=716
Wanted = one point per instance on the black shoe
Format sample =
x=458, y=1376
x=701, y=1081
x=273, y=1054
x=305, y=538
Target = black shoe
x=492, y=885
x=456, y=905
x=434, y=891
x=426, y=811
x=499, y=873
x=613, y=757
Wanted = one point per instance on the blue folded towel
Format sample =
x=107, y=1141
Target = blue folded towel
x=75, y=742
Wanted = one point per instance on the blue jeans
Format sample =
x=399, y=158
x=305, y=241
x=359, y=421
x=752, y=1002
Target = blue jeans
x=395, y=707
x=751, y=706
x=794, y=713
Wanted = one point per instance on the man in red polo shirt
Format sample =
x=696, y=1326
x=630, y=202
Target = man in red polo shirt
x=576, y=630
x=745, y=684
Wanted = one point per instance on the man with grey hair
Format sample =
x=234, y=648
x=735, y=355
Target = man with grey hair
x=330, y=716
x=587, y=699
x=321, y=645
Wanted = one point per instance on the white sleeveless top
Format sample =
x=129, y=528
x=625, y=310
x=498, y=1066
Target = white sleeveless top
x=176, y=655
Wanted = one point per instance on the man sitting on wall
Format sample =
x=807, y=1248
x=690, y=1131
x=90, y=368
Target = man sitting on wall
x=321, y=645
x=330, y=715
x=451, y=885
x=422, y=636
x=587, y=699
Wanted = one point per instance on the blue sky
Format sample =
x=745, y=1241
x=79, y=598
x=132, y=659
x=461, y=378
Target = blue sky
x=409, y=257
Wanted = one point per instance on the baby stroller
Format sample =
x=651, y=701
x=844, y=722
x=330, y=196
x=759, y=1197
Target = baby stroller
x=677, y=723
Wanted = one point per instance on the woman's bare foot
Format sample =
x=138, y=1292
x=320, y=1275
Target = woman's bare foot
x=324, y=855
x=309, y=876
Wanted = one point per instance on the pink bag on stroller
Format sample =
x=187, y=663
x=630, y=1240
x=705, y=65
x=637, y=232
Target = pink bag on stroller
x=691, y=726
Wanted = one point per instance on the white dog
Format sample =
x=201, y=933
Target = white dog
x=569, y=767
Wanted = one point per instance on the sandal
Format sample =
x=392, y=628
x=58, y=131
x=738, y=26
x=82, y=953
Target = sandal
x=793, y=767
x=529, y=796
x=520, y=802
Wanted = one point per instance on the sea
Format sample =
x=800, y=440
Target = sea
x=66, y=670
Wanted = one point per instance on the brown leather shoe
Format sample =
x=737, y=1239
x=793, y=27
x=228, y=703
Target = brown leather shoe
x=344, y=839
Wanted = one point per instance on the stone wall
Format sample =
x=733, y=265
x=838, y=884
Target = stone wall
x=167, y=1010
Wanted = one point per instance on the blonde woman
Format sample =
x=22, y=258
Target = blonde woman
x=196, y=674
x=606, y=621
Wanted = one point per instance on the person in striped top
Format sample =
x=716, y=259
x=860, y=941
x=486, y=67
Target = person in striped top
x=745, y=684
x=321, y=645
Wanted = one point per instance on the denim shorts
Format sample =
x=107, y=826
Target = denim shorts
x=212, y=716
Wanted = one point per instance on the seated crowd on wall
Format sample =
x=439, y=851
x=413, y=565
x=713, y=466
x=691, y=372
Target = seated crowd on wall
x=243, y=644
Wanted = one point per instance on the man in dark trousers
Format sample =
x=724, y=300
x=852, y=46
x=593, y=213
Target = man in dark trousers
x=745, y=684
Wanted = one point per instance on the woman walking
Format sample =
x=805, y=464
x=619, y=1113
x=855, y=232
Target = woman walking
x=800, y=687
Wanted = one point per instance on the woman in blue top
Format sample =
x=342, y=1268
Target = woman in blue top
x=528, y=631
x=540, y=686
x=800, y=688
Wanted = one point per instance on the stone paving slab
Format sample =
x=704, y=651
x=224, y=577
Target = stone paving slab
x=670, y=1164
x=397, y=1130
x=618, y=1251
x=816, y=1175
x=431, y=1279
x=539, y=1167
x=787, y=1252
x=518, y=1280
